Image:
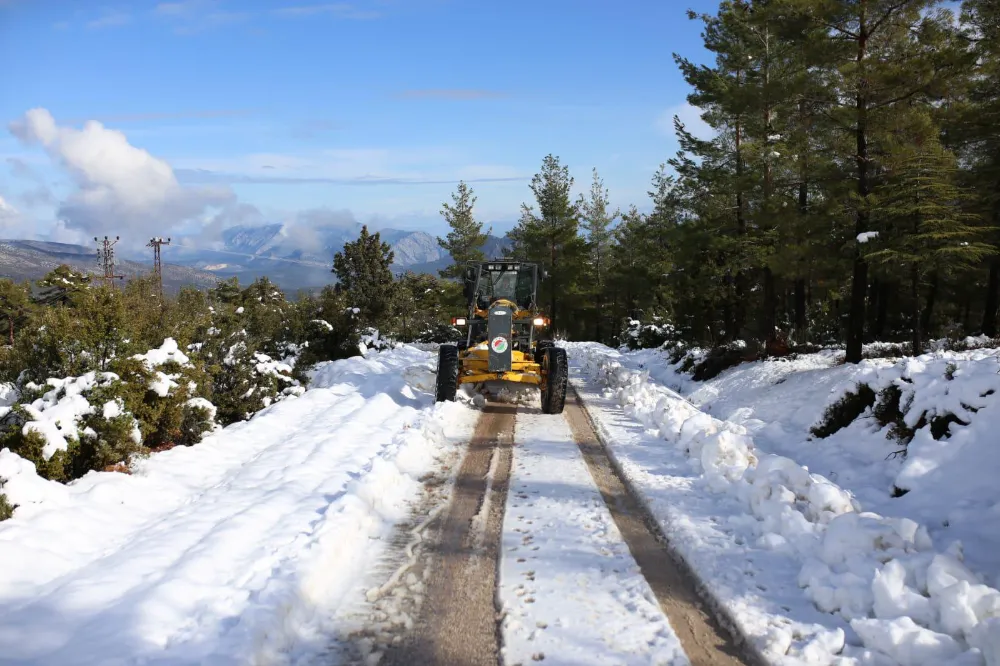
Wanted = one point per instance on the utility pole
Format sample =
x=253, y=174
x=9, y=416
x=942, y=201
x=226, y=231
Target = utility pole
x=106, y=260
x=155, y=243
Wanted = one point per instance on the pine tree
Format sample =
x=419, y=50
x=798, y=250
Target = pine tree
x=465, y=241
x=721, y=163
x=881, y=56
x=977, y=128
x=364, y=273
x=596, y=219
x=14, y=304
x=920, y=211
x=551, y=238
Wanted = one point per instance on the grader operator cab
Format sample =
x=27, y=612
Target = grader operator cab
x=503, y=330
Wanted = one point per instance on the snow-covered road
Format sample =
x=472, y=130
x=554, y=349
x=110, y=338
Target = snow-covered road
x=236, y=551
x=570, y=589
x=261, y=544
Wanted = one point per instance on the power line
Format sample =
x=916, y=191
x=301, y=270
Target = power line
x=106, y=260
x=155, y=243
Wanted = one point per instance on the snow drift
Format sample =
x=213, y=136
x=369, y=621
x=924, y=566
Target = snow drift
x=898, y=598
x=238, y=550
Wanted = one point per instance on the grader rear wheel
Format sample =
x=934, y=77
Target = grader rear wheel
x=557, y=377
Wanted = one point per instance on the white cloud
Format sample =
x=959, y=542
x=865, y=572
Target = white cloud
x=6, y=210
x=344, y=10
x=359, y=166
x=690, y=116
x=119, y=188
x=193, y=16
x=110, y=19
x=13, y=224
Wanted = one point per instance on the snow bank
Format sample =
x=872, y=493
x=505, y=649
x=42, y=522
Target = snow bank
x=239, y=550
x=951, y=483
x=901, y=597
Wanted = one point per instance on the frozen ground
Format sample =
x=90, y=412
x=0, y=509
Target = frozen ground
x=238, y=550
x=794, y=560
x=569, y=587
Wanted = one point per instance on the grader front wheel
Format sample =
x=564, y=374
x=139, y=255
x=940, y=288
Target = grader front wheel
x=447, y=375
x=557, y=377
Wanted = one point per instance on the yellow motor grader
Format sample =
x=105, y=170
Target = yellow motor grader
x=502, y=342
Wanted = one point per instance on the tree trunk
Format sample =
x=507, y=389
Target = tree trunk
x=932, y=290
x=552, y=295
x=872, y=309
x=739, y=307
x=729, y=317
x=856, y=314
x=917, y=342
x=884, y=293
x=992, y=299
x=11, y=320
x=800, y=306
x=770, y=306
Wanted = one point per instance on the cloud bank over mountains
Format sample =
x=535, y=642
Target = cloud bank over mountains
x=115, y=181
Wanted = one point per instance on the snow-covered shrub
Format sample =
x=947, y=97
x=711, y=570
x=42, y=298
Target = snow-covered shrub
x=652, y=334
x=197, y=420
x=929, y=394
x=49, y=425
x=721, y=358
x=440, y=333
x=842, y=412
x=102, y=420
x=328, y=339
x=6, y=509
x=109, y=437
x=373, y=340
x=243, y=381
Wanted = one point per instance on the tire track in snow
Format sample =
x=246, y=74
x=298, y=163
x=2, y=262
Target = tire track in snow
x=703, y=638
x=457, y=621
x=572, y=593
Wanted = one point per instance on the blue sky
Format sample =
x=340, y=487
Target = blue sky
x=263, y=110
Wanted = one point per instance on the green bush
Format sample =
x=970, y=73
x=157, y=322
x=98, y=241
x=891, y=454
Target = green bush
x=843, y=412
x=106, y=444
x=197, y=420
x=721, y=359
x=6, y=509
x=30, y=444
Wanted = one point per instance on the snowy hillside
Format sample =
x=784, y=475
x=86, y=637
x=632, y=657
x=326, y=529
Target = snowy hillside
x=238, y=550
x=820, y=564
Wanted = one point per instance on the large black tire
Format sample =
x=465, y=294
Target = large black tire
x=447, y=375
x=557, y=370
x=542, y=345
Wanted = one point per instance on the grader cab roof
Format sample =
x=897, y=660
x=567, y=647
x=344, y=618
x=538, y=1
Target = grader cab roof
x=488, y=281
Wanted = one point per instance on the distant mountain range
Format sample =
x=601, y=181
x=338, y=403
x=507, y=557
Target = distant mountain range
x=22, y=260
x=302, y=257
x=299, y=257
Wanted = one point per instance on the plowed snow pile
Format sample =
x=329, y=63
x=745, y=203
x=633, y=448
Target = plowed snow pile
x=238, y=550
x=950, y=476
x=874, y=590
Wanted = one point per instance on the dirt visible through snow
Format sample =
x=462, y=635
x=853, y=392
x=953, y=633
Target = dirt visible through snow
x=457, y=619
x=457, y=623
x=704, y=640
